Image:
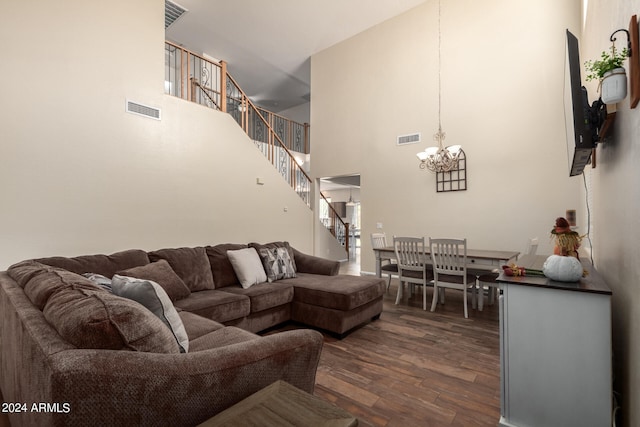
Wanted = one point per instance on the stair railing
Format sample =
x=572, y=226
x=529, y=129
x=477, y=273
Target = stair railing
x=198, y=79
x=208, y=94
x=248, y=116
x=294, y=135
x=205, y=81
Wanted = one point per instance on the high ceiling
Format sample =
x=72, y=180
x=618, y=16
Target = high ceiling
x=268, y=44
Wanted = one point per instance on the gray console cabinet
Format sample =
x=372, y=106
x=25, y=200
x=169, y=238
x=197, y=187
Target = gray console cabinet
x=555, y=344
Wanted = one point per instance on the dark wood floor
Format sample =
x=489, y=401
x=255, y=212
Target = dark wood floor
x=416, y=368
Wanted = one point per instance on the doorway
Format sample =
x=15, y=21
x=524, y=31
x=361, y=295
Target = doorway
x=343, y=194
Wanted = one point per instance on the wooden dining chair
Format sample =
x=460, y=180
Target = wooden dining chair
x=387, y=266
x=449, y=259
x=488, y=280
x=413, y=267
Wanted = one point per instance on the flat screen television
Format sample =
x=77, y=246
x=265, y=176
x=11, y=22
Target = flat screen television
x=582, y=120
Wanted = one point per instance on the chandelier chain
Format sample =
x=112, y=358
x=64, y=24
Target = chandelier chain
x=440, y=72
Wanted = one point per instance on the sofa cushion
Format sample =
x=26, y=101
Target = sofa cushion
x=248, y=267
x=190, y=264
x=155, y=299
x=40, y=281
x=315, y=265
x=218, y=305
x=341, y=292
x=277, y=263
x=273, y=245
x=197, y=326
x=107, y=265
x=221, y=268
x=161, y=273
x=24, y=271
x=265, y=296
x=222, y=338
x=95, y=319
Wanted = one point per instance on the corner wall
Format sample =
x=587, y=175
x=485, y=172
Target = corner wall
x=616, y=204
x=79, y=175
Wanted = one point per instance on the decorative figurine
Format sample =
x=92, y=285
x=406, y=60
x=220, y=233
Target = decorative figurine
x=567, y=240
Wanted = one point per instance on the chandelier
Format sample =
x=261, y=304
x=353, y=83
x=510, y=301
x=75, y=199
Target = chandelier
x=440, y=158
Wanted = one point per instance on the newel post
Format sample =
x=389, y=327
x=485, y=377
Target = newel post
x=307, y=148
x=223, y=86
x=346, y=239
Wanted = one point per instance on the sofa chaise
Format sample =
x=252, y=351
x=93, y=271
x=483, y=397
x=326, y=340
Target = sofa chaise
x=77, y=351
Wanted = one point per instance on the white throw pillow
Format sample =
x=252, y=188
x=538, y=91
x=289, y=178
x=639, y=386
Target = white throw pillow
x=248, y=267
x=154, y=298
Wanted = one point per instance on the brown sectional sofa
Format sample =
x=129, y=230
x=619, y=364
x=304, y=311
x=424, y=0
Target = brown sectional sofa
x=100, y=359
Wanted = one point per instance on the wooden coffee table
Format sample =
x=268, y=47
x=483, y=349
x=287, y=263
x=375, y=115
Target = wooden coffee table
x=282, y=404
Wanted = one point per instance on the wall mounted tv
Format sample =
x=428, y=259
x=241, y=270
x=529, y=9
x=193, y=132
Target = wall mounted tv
x=582, y=120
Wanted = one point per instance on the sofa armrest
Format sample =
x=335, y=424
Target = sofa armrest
x=315, y=265
x=132, y=388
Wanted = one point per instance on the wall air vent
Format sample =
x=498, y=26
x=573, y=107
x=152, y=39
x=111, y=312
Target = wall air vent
x=143, y=110
x=172, y=12
x=408, y=139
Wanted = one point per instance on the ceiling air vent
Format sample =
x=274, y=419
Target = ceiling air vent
x=143, y=110
x=409, y=139
x=172, y=12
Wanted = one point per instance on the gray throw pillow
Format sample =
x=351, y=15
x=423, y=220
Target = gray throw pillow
x=100, y=280
x=153, y=297
x=277, y=263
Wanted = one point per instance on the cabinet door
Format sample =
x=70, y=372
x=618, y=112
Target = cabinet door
x=556, y=356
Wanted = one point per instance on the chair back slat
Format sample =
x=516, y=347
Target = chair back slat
x=378, y=240
x=449, y=256
x=413, y=266
x=410, y=253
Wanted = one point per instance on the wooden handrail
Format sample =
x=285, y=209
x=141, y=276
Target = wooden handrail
x=219, y=76
x=272, y=132
x=205, y=92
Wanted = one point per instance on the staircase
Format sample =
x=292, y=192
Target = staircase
x=283, y=142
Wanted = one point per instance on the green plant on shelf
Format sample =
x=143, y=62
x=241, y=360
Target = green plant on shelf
x=608, y=61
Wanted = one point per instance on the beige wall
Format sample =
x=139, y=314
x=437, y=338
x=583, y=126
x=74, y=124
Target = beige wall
x=498, y=101
x=80, y=175
x=616, y=200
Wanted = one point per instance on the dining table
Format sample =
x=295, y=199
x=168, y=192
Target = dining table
x=480, y=260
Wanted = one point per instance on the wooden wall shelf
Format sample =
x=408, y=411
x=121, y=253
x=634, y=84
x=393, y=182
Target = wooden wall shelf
x=634, y=63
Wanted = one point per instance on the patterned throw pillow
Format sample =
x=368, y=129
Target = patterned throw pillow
x=277, y=263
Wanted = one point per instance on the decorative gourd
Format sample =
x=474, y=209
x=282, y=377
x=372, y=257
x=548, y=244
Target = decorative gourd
x=562, y=268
